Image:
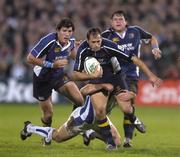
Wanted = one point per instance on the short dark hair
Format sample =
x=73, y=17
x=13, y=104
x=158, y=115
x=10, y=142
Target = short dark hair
x=94, y=32
x=65, y=22
x=120, y=13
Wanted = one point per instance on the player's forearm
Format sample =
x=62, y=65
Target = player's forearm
x=80, y=76
x=90, y=88
x=142, y=66
x=33, y=60
x=154, y=42
x=39, y=61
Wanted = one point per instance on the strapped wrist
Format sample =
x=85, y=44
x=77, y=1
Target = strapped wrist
x=155, y=47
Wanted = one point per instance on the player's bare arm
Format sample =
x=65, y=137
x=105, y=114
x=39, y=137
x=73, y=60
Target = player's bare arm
x=155, y=48
x=41, y=62
x=91, y=88
x=83, y=76
x=156, y=81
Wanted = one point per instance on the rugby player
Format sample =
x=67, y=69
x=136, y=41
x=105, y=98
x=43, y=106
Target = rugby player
x=129, y=38
x=82, y=118
x=50, y=57
x=103, y=50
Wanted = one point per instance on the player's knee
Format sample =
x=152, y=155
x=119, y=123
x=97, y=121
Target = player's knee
x=124, y=101
x=79, y=101
x=125, y=106
x=100, y=112
x=125, y=96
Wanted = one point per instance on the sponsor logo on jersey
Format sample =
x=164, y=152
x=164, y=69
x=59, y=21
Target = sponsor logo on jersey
x=128, y=47
x=131, y=35
x=61, y=57
x=115, y=39
x=57, y=49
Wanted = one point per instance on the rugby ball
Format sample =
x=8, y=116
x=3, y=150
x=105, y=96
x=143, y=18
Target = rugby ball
x=90, y=65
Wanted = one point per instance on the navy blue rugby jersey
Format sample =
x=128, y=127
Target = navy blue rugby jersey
x=131, y=41
x=108, y=50
x=50, y=48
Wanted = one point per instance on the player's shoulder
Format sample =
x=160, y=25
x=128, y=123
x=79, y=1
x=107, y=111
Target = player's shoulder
x=107, y=42
x=135, y=28
x=83, y=46
x=107, y=32
x=50, y=37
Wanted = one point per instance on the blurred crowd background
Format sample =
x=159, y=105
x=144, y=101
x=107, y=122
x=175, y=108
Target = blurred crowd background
x=24, y=22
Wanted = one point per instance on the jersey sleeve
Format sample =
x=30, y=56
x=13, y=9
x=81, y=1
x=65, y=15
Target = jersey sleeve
x=41, y=48
x=106, y=34
x=72, y=40
x=143, y=34
x=117, y=51
x=80, y=57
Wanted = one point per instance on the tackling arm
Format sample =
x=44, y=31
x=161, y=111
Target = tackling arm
x=83, y=76
x=92, y=88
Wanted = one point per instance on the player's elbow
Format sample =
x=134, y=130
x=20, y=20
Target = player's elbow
x=29, y=59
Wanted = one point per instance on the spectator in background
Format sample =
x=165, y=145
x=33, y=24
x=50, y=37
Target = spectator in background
x=161, y=17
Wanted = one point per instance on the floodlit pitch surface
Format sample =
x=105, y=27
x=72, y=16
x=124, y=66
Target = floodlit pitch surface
x=161, y=140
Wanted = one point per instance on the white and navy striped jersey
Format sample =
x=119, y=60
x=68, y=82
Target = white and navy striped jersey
x=130, y=40
x=50, y=48
x=108, y=50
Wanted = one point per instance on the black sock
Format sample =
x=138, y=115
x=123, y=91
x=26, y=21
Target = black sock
x=132, y=117
x=105, y=131
x=128, y=127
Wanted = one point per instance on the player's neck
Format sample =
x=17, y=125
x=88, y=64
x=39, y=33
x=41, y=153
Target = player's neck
x=121, y=32
x=62, y=43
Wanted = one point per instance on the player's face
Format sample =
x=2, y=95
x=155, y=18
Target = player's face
x=118, y=22
x=95, y=42
x=64, y=34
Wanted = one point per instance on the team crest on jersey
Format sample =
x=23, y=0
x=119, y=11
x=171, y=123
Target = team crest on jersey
x=115, y=39
x=57, y=49
x=131, y=35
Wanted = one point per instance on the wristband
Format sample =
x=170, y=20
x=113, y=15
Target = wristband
x=155, y=47
x=47, y=64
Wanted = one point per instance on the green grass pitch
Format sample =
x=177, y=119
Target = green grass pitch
x=161, y=140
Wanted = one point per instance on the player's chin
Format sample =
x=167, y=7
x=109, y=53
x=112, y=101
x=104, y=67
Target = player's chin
x=96, y=49
x=65, y=40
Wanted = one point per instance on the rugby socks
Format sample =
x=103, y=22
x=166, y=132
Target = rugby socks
x=42, y=131
x=128, y=127
x=131, y=116
x=105, y=131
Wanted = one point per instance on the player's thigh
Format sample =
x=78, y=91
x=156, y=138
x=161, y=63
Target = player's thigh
x=71, y=91
x=99, y=102
x=125, y=105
